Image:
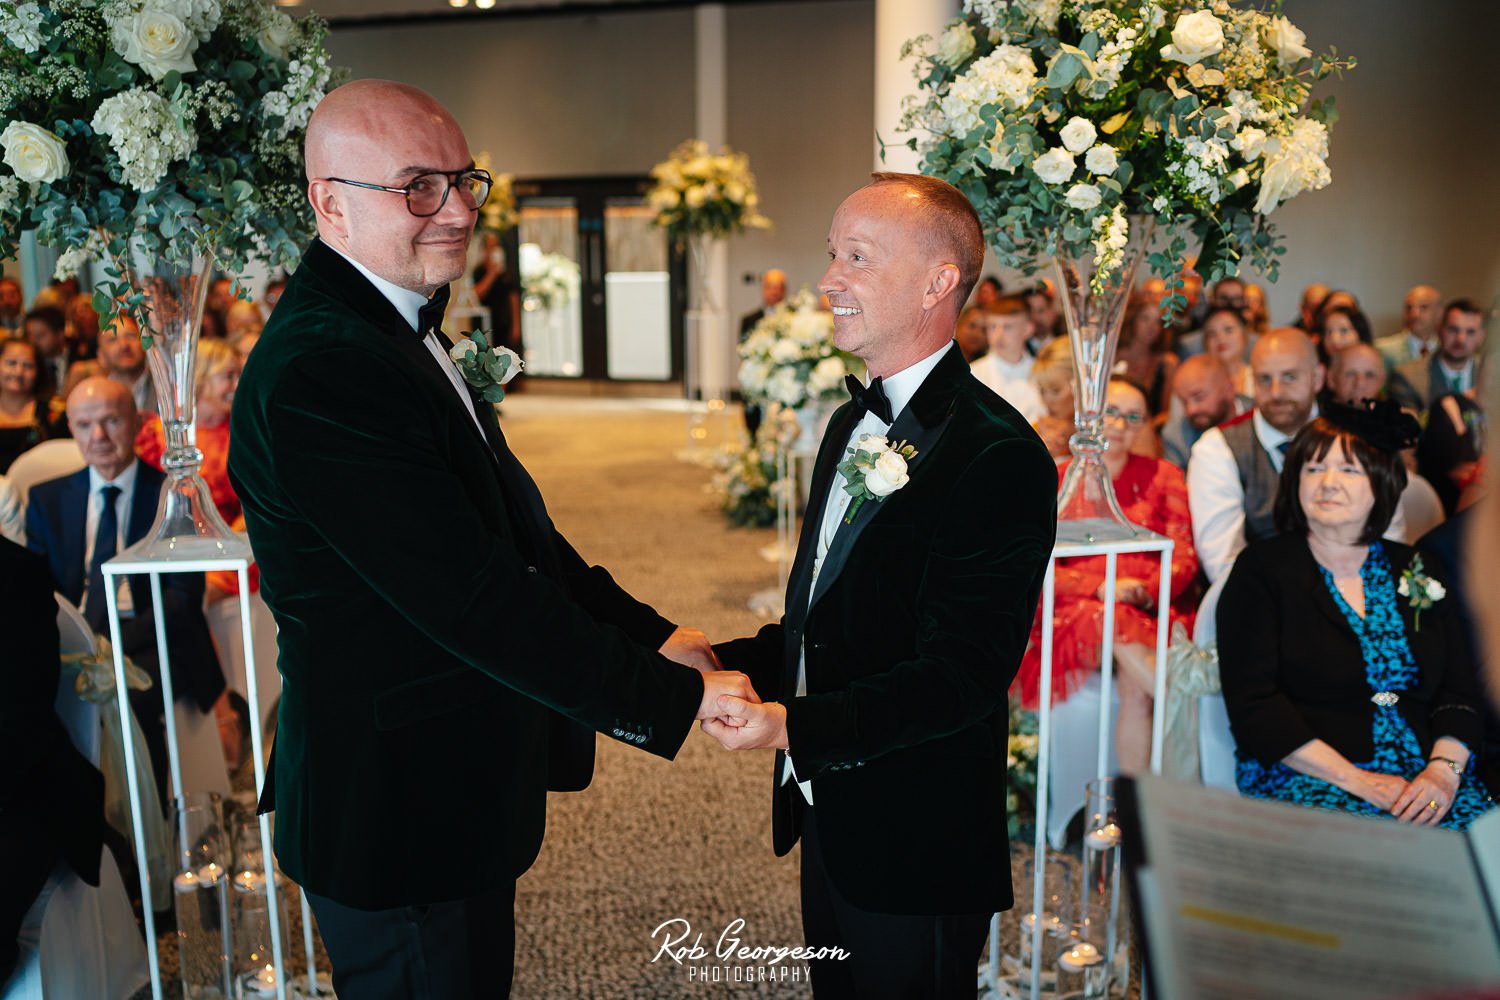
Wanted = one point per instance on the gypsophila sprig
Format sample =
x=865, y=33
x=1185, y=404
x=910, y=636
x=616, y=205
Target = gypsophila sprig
x=789, y=357
x=698, y=192
x=157, y=128
x=1061, y=118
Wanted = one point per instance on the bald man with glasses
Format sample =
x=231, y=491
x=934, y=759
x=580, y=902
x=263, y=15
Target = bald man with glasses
x=446, y=655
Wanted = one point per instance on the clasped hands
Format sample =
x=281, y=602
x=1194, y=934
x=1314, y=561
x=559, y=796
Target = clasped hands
x=731, y=712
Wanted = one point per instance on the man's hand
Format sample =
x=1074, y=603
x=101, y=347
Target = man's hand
x=691, y=648
x=745, y=725
x=729, y=684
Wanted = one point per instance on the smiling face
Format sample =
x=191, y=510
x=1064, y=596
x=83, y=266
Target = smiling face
x=1125, y=415
x=383, y=133
x=17, y=368
x=1335, y=494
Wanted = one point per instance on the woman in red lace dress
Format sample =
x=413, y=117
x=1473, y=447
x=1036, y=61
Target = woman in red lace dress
x=1153, y=494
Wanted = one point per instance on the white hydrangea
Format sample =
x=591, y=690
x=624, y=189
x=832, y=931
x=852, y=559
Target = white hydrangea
x=827, y=377
x=1043, y=13
x=1294, y=163
x=70, y=261
x=1249, y=143
x=10, y=192
x=1005, y=76
x=1248, y=107
x=22, y=26
x=146, y=133
x=1202, y=167
x=991, y=12
x=785, y=387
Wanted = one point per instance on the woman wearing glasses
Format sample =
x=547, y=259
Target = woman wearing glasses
x=1152, y=494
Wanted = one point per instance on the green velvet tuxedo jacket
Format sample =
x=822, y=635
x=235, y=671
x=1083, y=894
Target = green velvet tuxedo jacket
x=912, y=634
x=434, y=628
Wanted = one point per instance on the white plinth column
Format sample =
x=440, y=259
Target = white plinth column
x=716, y=358
x=895, y=22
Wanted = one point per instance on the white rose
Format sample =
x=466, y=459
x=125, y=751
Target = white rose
x=1054, y=166
x=463, y=350
x=278, y=35
x=515, y=366
x=1435, y=590
x=1250, y=143
x=1402, y=588
x=1079, y=134
x=888, y=475
x=1287, y=40
x=695, y=196
x=1195, y=37
x=35, y=154
x=956, y=45
x=157, y=41
x=1102, y=160
x=1083, y=196
x=872, y=443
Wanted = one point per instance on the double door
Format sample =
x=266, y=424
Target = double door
x=602, y=288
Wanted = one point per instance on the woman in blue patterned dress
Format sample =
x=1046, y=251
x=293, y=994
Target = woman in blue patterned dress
x=1347, y=681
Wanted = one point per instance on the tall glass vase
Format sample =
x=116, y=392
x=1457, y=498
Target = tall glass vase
x=187, y=525
x=1093, y=307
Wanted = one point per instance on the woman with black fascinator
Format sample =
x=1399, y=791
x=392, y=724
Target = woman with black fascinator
x=1347, y=682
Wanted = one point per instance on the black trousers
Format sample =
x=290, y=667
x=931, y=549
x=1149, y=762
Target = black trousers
x=463, y=950
x=890, y=955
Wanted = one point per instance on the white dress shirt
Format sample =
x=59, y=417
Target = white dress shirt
x=93, y=511
x=1012, y=382
x=409, y=304
x=899, y=389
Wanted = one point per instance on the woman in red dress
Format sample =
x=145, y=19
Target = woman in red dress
x=1153, y=494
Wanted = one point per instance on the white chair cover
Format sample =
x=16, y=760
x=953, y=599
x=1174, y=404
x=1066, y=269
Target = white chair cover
x=77, y=940
x=48, y=460
x=1215, y=743
x=224, y=623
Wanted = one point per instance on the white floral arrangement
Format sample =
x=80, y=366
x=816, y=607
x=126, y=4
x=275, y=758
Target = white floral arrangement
x=789, y=357
x=746, y=480
x=698, y=192
x=1061, y=118
x=157, y=127
x=548, y=280
x=498, y=213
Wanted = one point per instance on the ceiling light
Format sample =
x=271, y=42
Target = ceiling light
x=458, y=3
x=484, y=4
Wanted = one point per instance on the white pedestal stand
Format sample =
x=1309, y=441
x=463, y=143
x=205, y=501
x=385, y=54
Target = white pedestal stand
x=123, y=565
x=1111, y=551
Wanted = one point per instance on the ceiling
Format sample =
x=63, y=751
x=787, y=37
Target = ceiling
x=349, y=11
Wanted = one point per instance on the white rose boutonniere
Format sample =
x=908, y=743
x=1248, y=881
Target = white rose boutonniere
x=35, y=154
x=484, y=367
x=1420, y=590
x=874, y=470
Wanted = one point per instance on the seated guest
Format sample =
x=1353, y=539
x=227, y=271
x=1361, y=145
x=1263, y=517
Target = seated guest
x=45, y=329
x=1307, y=307
x=215, y=378
x=12, y=302
x=1052, y=373
x=772, y=294
x=241, y=315
x=80, y=521
x=1153, y=495
x=1202, y=397
x=1226, y=337
x=1007, y=367
x=1452, y=368
x=987, y=291
x=1143, y=351
x=1356, y=374
x=1417, y=337
x=1347, y=678
x=25, y=398
x=973, y=340
x=1046, y=321
x=12, y=512
x=1448, y=454
x=1257, y=312
x=83, y=328
x=1228, y=293
x=1234, y=469
x=1342, y=327
x=51, y=798
x=1336, y=299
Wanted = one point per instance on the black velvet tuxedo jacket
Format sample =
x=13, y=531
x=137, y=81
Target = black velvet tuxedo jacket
x=56, y=527
x=916, y=627
x=1292, y=669
x=434, y=626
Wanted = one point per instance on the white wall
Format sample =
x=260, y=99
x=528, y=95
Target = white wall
x=1414, y=155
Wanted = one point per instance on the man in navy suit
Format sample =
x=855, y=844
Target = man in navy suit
x=80, y=521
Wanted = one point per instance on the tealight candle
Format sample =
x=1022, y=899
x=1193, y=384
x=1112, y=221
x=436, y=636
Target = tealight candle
x=1104, y=837
x=1081, y=956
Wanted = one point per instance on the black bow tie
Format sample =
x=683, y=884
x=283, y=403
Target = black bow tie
x=430, y=316
x=868, y=400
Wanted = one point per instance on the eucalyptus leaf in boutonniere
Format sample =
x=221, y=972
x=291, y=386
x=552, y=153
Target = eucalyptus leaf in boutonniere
x=1420, y=590
x=484, y=367
x=874, y=470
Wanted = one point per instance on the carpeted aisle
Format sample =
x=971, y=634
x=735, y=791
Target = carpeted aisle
x=649, y=841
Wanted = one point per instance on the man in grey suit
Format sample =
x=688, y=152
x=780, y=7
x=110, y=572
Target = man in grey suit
x=1452, y=368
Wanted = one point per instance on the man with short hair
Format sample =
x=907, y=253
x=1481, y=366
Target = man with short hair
x=906, y=617
x=772, y=294
x=1451, y=369
x=1233, y=470
x=78, y=522
x=45, y=327
x=440, y=642
x=122, y=357
x=1356, y=373
x=1203, y=396
x=12, y=307
x=1006, y=368
x=1419, y=327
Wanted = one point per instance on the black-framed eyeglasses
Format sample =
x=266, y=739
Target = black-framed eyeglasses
x=426, y=194
x=1129, y=419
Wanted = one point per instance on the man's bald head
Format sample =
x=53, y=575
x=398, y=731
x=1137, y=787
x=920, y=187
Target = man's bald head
x=103, y=420
x=388, y=134
x=1205, y=389
x=1284, y=340
x=1356, y=373
x=1287, y=378
x=946, y=222
x=773, y=286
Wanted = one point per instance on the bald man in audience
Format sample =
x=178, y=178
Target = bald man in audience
x=1417, y=337
x=1308, y=306
x=1233, y=470
x=1203, y=396
x=1356, y=373
x=772, y=294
